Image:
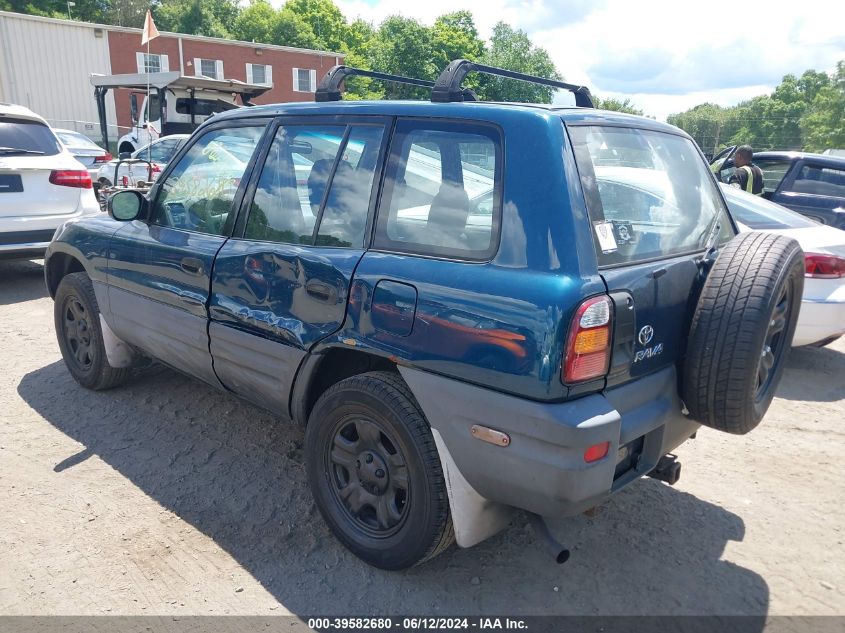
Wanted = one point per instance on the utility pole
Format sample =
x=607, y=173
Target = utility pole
x=718, y=134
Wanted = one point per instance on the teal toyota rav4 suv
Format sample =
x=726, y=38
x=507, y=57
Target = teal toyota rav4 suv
x=472, y=308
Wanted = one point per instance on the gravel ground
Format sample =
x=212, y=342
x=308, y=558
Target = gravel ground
x=166, y=497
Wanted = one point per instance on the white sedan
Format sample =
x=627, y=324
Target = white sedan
x=159, y=153
x=822, y=317
x=41, y=184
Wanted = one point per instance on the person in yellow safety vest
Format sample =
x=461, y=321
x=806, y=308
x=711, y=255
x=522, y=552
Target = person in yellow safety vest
x=747, y=176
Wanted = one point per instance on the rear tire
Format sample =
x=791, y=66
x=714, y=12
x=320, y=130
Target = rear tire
x=742, y=330
x=375, y=473
x=77, y=320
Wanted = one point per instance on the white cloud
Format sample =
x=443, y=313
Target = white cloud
x=666, y=55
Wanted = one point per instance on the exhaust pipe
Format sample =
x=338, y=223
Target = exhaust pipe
x=560, y=553
x=668, y=469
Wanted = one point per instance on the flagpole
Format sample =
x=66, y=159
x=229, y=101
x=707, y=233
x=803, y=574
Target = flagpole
x=149, y=134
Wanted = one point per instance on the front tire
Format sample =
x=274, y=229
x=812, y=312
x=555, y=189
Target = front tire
x=77, y=320
x=375, y=472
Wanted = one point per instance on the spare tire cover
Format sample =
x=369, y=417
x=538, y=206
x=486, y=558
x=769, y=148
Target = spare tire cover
x=741, y=331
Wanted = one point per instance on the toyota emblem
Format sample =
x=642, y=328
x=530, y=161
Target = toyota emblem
x=646, y=334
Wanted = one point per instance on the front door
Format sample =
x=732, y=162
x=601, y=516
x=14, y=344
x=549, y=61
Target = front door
x=282, y=285
x=160, y=269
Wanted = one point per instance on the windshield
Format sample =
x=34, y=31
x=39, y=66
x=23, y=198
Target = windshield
x=758, y=213
x=649, y=194
x=22, y=136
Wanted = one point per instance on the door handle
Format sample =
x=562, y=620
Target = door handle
x=320, y=291
x=191, y=265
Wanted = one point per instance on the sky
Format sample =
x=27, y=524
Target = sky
x=666, y=56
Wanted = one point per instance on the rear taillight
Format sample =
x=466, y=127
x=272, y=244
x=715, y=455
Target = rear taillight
x=820, y=266
x=587, y=353
x=71, y=178
x=103, y=158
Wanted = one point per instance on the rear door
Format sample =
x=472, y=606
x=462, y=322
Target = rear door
x=282, y=285
x=160, y=269
x=816, y=190
x=653, y=208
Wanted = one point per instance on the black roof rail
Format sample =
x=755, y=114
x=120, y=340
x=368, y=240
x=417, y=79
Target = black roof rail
x=447, y=88
x=329, y=87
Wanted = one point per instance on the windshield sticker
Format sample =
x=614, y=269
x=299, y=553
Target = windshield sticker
x=604, y=233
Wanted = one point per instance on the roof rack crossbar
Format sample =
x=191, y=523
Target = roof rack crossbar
x=329, y=88
x=447, y=88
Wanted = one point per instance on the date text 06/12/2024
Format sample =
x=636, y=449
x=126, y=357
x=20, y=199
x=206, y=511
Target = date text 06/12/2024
x=415, y=624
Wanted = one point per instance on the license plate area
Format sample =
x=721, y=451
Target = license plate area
x=10, y=183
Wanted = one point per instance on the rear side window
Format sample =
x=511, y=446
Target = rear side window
x=773, y=172
x=820, y=181
x=24, y=137
x=649, y=194
x=316, y=175
x=442, y=193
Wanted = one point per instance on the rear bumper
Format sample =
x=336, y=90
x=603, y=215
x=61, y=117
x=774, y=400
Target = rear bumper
x=24, y=243
x=542, y=469
x=820, y=319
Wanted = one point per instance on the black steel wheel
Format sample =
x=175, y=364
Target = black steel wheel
x=774, y=344
x=369, y=475
x=375, y=473
x=77, y=319
x=742, y=330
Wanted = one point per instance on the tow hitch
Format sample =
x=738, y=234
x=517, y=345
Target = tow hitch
x=668, y=469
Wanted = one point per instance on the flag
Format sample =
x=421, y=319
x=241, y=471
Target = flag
x=150, y=30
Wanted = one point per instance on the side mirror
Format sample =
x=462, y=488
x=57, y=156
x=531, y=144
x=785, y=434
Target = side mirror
x=133, y=108
x=124, y=155
x=126, y=206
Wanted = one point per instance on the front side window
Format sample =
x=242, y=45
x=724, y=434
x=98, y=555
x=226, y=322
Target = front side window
x=198, y=194
x=442, y=196
x=159, y=152
x=649, y=194
x=820, y=181
x=316, y=174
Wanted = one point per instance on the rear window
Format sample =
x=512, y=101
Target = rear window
x=72, y=139
x=25, y=137
x=649, y=194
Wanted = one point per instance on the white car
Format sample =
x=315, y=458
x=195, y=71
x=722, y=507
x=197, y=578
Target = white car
x=84, y=150
x=822, y=317
x=159, y=152
x=41, y=184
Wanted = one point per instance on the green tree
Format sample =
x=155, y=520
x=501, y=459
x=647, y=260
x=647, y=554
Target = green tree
x=256, y=23
x=402, y=46
x=213, y=18
x=823, y=124
x=325, y=20
x=512, y=49
x=616, y=105
x=454, y=36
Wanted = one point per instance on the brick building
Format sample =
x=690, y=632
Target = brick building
x=45, y=65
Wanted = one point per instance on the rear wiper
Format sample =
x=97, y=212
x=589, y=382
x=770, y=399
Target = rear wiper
x=18, y=150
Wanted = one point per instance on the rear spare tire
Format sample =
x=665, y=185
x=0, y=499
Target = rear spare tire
x=742, y=330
